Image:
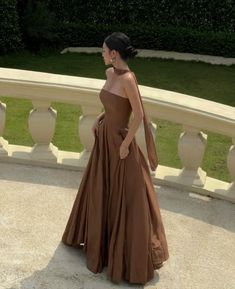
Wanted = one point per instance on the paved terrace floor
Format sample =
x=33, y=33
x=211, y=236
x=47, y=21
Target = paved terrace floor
x=34, y=207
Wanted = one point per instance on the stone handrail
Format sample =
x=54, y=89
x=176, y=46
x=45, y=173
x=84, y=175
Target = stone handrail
x=193, y=113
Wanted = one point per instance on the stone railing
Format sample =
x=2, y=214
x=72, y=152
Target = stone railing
x=194, y=114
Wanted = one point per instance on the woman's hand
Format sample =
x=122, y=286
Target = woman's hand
x=124, y=150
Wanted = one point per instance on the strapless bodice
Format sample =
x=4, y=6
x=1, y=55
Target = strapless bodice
x=117, y=109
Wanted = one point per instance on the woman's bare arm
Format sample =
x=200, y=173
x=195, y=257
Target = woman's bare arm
x=131, y=89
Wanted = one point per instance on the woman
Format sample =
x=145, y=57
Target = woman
x=116, y=217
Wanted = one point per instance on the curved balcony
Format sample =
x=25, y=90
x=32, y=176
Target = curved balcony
x=35, y=203
x=196, y=115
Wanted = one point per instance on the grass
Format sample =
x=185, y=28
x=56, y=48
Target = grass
x=212, y=82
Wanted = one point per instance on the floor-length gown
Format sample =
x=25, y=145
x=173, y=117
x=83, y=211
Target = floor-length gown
x=116, y=216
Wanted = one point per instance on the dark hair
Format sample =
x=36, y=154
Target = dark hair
x=121, y=42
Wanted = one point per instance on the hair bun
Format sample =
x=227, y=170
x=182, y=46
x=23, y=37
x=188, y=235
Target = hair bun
x=131, y=51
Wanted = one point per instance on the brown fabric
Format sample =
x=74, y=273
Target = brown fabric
x=150, y=144
x=116, y=217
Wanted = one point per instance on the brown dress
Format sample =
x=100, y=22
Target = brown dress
x=116, y=217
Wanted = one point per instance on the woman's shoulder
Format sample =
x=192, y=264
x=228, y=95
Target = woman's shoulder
x=127, y=76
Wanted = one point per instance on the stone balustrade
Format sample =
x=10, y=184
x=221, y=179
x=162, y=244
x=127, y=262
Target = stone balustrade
x=194, y=114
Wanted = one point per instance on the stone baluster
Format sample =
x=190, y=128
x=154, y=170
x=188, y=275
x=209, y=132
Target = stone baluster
x=86, y=120
x=191, y=149
x=231, y=168
x=3, y=142
x=41, y=122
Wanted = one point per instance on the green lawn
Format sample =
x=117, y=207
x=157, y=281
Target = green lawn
x=213, y=82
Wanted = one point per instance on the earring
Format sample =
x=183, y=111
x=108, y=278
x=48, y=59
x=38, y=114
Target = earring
x=112, y=59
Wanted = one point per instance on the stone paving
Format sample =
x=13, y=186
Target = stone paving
x=34, y=206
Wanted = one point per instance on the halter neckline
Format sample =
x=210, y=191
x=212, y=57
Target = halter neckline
x=119, y=70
